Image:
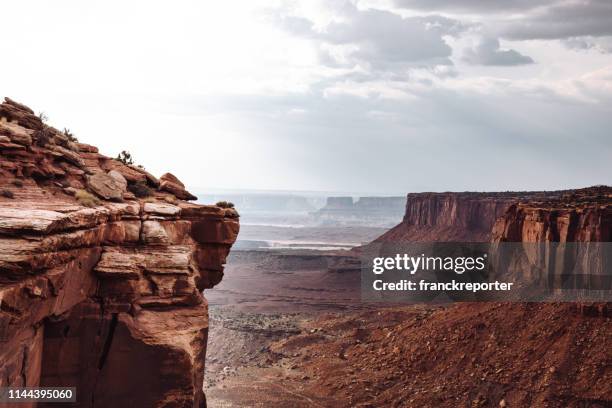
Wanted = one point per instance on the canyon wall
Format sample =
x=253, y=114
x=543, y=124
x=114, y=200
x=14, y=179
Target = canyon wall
x=102, y=268
x=553, y=245
x=456, y=217
x=583, y=215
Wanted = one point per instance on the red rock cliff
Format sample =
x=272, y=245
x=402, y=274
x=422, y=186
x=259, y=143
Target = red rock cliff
x=102, y=268
x=457, y=217
x=583, y=215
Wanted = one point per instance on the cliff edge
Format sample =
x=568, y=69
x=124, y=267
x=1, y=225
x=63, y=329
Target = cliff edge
x=102, y=268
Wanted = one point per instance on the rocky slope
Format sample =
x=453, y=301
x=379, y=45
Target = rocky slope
x=102, y=268
x=468, y=355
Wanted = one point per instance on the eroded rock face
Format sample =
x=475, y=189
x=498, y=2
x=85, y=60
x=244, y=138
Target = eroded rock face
x=461, y=216
x=99, y=294
x=583, y=215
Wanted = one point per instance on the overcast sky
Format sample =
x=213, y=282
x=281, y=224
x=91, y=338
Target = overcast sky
x=367, y=96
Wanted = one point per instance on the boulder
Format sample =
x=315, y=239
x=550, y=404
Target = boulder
x=119, y=179
x=171, y=178
x=171, y=184
x=106, y=186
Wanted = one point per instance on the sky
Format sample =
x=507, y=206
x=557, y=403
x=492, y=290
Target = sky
x=377, y=96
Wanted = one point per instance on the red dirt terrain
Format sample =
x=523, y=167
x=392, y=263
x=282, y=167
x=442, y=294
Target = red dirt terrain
x=468, y=355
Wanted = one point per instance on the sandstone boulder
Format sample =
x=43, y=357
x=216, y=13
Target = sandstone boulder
x=119, y=179
x=171, y=184
x=106, y=186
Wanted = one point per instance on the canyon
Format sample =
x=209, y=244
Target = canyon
x=102, y=269
x=303, y=338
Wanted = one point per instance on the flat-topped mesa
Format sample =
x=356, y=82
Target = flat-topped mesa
x=365, y=210
x=457, y=216
x=102, y=268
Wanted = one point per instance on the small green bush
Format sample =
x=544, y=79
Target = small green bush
x=140, y=189
x=86, y=199
x=125, y=157
x=225, y=204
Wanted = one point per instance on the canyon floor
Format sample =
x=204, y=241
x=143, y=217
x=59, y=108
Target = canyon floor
x=494, y=355
x=287, y=332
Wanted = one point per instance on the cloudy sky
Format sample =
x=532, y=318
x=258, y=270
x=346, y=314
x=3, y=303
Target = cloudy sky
x=386, y=96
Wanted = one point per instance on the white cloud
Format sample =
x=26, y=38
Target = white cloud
x=489, y=52
x=327, y=95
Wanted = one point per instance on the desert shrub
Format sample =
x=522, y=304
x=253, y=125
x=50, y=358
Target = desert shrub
x=86, y=199
x=42, y=136
x=43, y=117
x=18, y=183
x=125, y=157
x=225, y=204
x=69, y=135
x=140, y=189
x=7, y=194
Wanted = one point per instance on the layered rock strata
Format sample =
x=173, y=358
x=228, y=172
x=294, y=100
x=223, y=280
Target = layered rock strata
x=583, y=215
x=576, y=224
x=459, y=217
x=102, y=268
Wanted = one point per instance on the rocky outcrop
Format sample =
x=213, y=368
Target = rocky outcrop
x=101, y=289
x=170, y=183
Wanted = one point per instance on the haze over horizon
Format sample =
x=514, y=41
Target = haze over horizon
x=379, y=96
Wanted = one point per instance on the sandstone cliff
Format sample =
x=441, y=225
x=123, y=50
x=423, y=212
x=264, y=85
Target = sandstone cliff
x=102, y=268
x=458, y=217
x=583, y=215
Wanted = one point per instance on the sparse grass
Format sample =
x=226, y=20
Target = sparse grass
x=86, y=199
x=140, y=189
x=7, y=194
x=225, y=204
